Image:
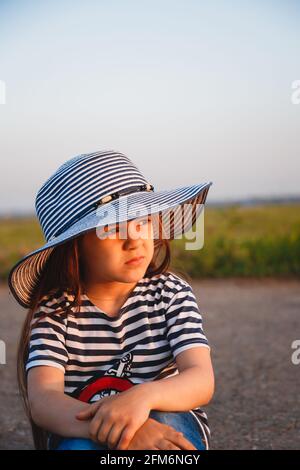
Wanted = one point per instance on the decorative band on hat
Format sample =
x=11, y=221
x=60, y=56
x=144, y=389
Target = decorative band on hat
x=123, y=192
x=102, y=201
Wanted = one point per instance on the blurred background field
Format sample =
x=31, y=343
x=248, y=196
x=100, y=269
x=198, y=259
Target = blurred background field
x=245, y=241
x=239, y=241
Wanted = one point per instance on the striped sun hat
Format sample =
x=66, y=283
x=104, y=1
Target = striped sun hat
x=94, y=190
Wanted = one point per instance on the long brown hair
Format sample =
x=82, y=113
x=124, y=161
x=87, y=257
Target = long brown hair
x=63, y=273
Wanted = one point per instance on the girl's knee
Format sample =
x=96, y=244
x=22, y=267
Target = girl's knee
x=183, y=422
x=79, y=444
x=161, y=416
x=166, y=417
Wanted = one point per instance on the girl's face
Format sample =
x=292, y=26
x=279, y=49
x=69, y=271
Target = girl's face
x=105, y=252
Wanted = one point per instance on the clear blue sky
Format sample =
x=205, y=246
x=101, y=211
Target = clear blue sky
x=192, y=91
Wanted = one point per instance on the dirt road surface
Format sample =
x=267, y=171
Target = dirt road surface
x=250, y=325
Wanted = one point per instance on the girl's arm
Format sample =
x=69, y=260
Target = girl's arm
x=51, y=408
x=192, y=387
x=56, y=412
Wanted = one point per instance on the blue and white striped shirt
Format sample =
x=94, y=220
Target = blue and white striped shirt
x=101, y=354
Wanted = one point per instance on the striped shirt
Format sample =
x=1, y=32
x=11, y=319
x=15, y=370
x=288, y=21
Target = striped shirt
x=101, y=355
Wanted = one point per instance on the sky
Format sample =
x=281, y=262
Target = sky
x=191, y=91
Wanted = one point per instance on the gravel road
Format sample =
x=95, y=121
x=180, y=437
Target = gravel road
x=250, y=325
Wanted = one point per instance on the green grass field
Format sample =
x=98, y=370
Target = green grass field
x=258, y=241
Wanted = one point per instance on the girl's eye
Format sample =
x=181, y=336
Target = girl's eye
x=110, y=230
x=144, y=222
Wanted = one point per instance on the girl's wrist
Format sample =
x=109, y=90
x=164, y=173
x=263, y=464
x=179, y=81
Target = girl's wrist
x=147, y=390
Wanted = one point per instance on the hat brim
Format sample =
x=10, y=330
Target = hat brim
x=24, y=275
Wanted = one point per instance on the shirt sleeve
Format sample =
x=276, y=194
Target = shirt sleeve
x=47, y=341
x=184, y=321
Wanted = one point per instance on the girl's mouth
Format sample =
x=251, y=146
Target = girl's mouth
x=135, y=261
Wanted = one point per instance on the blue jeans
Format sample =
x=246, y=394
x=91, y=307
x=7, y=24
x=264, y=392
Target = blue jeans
x=182, y=421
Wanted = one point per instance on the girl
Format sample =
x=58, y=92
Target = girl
x=112, y=353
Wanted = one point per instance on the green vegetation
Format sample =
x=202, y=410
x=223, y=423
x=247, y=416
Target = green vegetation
x=18, y=237
x=247, y=241
x=239, y=241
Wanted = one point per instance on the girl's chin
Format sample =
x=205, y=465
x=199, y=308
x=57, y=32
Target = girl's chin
x=133, y=275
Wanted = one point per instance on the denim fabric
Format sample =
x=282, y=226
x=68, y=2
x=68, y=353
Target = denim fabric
x=182, y=421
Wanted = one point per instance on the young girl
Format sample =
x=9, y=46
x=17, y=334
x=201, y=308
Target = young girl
x=112, y=354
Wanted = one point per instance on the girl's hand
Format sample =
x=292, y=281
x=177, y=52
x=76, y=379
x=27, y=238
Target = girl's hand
x=116, y=419
x=154, y=435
